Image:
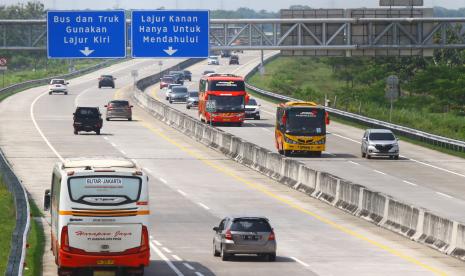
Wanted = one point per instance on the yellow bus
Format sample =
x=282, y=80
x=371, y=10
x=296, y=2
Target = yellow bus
x=301, y=128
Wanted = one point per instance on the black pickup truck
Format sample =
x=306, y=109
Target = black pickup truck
x=87, y=119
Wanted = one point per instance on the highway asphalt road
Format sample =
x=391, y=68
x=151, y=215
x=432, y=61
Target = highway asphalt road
x=192, y=187
x=421, y=177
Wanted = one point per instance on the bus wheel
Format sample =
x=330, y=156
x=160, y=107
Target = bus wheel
x=287, y=153
x=317, y=153
x=281, y=152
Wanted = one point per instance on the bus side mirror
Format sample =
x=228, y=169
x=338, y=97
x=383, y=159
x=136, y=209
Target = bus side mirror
x=47, y=200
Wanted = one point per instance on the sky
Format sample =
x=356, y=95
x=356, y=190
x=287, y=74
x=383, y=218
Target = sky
x=270, y=5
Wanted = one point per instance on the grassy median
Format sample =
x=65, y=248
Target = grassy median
x=36, y=242
x=7, y=224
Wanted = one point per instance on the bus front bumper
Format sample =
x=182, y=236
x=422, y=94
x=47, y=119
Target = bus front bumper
x=73, y=260
x=297, y=147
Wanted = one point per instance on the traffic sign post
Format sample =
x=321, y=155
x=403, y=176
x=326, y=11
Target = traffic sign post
x=170, y=33
x=392, y=91
x=3, y=67
x=86, y=34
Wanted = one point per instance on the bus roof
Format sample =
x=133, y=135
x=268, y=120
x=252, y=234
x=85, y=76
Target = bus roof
x=98, y=162
x=300, y=104
x=216, y=76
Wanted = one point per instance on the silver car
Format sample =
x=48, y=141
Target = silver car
x=244, y=235
x=380, y=142
x=178, y=94
x=119, y=109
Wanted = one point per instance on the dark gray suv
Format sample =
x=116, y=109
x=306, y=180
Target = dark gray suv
x=244, y=235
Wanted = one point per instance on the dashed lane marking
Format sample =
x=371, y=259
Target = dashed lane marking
x=300, y=262
x=410, y=183
x=167, y=261
x=188, y=266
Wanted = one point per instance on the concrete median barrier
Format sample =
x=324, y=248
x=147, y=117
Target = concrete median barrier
x=415, y=223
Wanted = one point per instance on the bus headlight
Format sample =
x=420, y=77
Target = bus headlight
x=289, y=141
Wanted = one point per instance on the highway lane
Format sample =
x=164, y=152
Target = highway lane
x=192, y=187
x=421, y=177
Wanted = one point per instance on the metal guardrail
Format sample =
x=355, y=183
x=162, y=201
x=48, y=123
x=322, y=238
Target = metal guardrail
x=19, y=237
x=436, y=140
x=44, y=81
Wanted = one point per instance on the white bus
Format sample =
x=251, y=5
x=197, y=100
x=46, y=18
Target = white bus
x=99, y=217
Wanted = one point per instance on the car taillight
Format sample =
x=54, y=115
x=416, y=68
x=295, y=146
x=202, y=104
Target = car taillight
x=271, y=237
x=327, y=118
x=228, y=235
x=144, y=243
x=65, y=239
x=284, y=119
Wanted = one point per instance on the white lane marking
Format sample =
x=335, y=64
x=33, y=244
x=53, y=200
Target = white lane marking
x=433, y=166
x=329, y=153
x=157, y=242
x=253, y=124
x=76, y=100
x=176, y=257
x=167, y=261
x=198, y=273
x=265, y=129
x=114, y=145
x=106, y=138
x=444, y=195
x=410, y=183
x=134, y=160
x=271, y=113
x=182, y=193
x=163, y=180
x=408, y=158
x=188, y=266
x=123, y=152
x=352, y=162
x=300, y=262
x=31, y=110
x=380, y=172
x=204, y=206
x=148, y=170
x=166, y=250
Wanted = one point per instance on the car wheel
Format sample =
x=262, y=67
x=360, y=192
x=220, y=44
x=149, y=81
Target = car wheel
x=130, y=119
x=216, y=253
x=396, y=157
x=363, y=154
x=66, y=93
x=272, y=257
x=224, y=256
x=171, y=101
x=257, y=117
x=50, y=93
x=368, y=156
x=99, y=87
x=188, y=107
x=113, y=87
x=97, y=131
x=108, y=119
x=75, y=132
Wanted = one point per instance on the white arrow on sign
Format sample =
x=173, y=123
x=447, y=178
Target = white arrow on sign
x=170, y=51
x=86, y=51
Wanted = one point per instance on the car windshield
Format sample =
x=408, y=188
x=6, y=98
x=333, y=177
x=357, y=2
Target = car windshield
x=252, y=102
x=250, y=225
x=187, y=72
x=118, y=104
x=213, y=57
x=194, y=94
x=381, y=136
x=58, y=81
x=107, y=76
x=208, y=72
x=179, y=90
x=306, y=121
x=87, y=112
x=104, y=189
x=226, y=85
x=228, y=103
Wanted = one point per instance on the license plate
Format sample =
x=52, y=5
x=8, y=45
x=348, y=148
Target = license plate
x=104, y=273
x=105, y=262
x=250, y=238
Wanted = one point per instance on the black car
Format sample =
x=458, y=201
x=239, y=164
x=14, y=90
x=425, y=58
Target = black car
x=87, y=119
x=206, y=72
x=178, y=75
x=187, y=75
x=234, y=59
x=106, y=81
x=193, y=99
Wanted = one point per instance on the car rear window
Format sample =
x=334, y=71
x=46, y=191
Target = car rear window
x=58, y=81
x=382, y=136
x=119, y=104
x=167, y=80
x=193, y=94
x=87, y=112
x=250, y=225
x=179, y=89
x=252, y=102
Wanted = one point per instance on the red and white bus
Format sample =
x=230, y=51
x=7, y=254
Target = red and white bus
x=228, y=93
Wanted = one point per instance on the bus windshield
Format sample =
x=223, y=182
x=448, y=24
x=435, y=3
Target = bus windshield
x=103, y=190
x=226, y=85
x=228, y=103
x=306, y=121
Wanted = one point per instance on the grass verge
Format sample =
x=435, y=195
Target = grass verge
x=36, y=242
x=7, y=224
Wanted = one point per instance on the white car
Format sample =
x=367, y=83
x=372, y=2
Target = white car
x=213, y=60
x=252, y=109
x=169, y=88
x=58, y=86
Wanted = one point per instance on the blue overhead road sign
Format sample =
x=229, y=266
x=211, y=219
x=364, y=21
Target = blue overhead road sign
x=170, y=33
x=86, y=34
